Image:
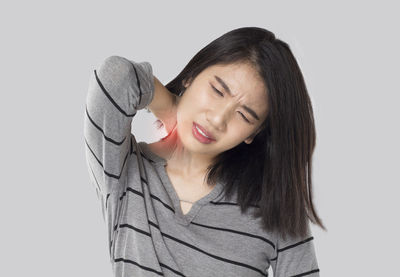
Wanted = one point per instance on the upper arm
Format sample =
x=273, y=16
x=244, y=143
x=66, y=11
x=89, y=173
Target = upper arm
x=295, y=257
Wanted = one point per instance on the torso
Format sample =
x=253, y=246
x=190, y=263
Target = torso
x=186, y=189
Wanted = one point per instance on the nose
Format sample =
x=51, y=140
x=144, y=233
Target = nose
x=218, y=116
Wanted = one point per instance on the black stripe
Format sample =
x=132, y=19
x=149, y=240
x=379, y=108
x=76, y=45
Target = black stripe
x=102, y=131
x=223, y=203
x=133, y=191
x=139, y=265
x=306, y=273
x=144, y=180
x=233, y=204
x=107, y=173
x=134, y=228
x=173, y=270
x=296, y=244
x=291, y=246
x=165, y=205
x=237, y=232
x=149, y=269
x=153, y=224
x=151, y=195
x=108, y=195
x=110, y=98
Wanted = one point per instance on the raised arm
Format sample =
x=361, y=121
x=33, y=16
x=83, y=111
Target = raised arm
x=117, y=90
x=164, y=105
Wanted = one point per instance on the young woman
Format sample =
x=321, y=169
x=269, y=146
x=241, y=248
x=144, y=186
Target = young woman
x=228, y=192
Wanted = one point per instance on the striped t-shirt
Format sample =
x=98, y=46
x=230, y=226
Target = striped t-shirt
x=148, y=233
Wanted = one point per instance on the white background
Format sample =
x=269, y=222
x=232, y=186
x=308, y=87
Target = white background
x=349, y=55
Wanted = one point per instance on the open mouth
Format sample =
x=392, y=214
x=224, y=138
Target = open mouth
x=200, y=135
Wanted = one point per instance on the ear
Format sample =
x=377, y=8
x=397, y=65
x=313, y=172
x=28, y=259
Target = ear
x=250, y=138
x=186, y=83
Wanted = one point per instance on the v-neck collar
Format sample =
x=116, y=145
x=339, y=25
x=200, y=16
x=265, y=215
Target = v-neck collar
x=181, y=218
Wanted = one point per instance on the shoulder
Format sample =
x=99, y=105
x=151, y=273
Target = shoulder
x=161, y=149
x=155, y=148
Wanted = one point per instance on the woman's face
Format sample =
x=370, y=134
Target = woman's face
x=222, y=113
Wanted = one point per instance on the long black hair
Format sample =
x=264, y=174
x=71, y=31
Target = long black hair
x=274, y=172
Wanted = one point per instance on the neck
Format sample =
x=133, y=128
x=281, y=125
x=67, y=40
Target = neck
x=182, y=161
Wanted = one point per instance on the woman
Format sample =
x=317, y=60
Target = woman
x=228, y=192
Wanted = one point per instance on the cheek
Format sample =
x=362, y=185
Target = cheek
x=235, y=132
x=186, y=114
x=234, y=135
x=194, y=102
x=201, y=99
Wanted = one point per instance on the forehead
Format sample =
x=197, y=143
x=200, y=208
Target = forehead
x=242, y=79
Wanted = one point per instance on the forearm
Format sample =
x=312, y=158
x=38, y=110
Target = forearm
x=163, y=100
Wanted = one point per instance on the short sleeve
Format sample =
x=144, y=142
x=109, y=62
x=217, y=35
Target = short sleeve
x=295, y=257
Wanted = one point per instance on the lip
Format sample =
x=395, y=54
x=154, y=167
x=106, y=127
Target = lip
x=205, y=131
x=199, y=136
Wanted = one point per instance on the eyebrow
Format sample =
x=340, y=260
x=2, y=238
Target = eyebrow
x=225, y=86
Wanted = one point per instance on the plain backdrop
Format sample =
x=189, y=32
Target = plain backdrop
x=347, y=50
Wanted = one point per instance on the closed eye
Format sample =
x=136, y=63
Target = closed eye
x=220, y=93
x=244, y=117
x=217, y=91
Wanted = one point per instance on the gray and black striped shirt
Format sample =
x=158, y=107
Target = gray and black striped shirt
x=148, y=233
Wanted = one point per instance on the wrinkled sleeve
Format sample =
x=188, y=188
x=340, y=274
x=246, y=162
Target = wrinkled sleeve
x=118, y=88
x=295, y=257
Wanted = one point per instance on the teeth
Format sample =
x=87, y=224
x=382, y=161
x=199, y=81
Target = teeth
x=202, y=133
